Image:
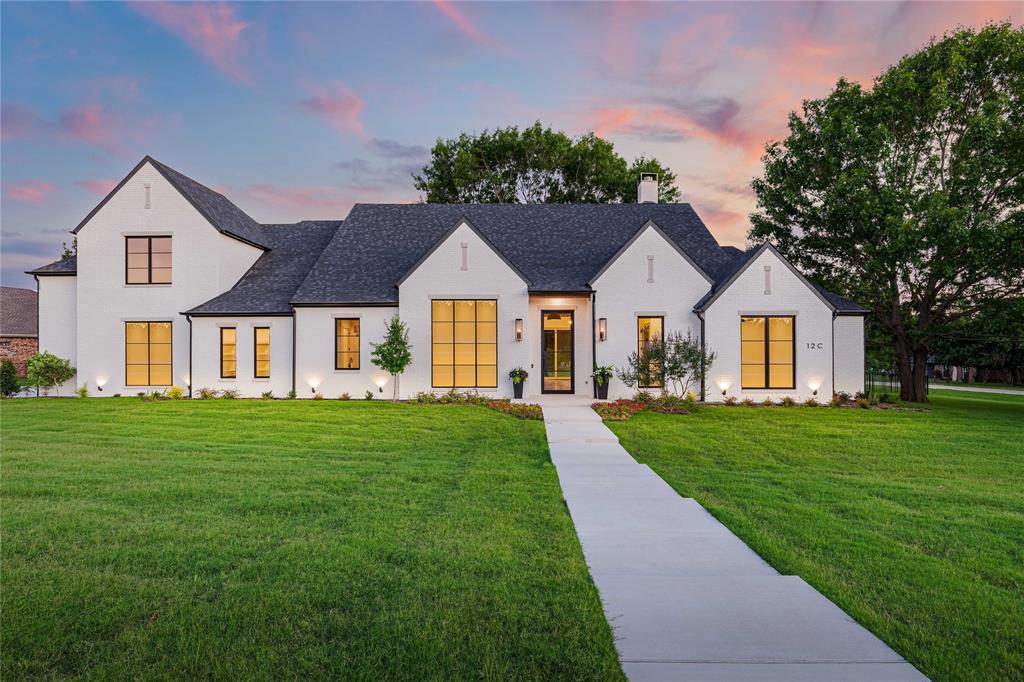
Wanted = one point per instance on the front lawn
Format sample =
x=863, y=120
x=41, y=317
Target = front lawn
x=912, y=522
x=288, y=540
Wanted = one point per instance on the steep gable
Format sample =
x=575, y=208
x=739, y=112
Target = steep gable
x=213, y=206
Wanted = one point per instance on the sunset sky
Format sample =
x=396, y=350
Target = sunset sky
x=298, y=110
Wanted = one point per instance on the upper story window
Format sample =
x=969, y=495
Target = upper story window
x=767, y=351
x=147, y=260
x=650, y=330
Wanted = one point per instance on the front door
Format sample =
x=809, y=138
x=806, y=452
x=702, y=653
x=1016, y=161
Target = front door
x=556, y=360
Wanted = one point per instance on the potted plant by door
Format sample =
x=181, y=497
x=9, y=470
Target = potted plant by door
x=518, y=376
x=602, y=375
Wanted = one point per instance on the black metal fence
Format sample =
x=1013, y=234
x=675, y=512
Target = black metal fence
x=878, y=380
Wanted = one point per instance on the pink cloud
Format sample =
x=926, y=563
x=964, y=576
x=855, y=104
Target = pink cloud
x=211, y=29
x=101, y=187
x=90, y=124
x=18, y=120
x=29, y=192
x=341, y=107
x=465, y=25
x=298, y=198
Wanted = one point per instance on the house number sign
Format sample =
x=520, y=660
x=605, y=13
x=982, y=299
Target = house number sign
x=817, y=345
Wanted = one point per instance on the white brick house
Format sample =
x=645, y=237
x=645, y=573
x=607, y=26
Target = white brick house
x=175, y=285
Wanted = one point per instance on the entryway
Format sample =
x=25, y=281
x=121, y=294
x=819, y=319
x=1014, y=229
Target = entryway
x=556, y=358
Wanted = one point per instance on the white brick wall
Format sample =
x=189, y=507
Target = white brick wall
x=58, y=321
x=205, y=263
x=486, y=276
x=206, y=355
x=849, y=360
x=789, y=296
x=315, y=357
x=624, y=294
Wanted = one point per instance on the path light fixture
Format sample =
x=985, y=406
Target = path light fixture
x=724, y=385
x=602, y=329
x=813, y=384
x=519, y=329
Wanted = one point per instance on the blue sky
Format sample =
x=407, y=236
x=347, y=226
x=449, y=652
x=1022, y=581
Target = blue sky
x=298, y=110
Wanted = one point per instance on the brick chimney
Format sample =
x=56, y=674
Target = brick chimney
x=647, y=190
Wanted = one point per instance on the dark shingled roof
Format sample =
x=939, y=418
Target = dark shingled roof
x=65, y=266
x=221, y=213
x=726, y=273
x=270, y=283
x=558, y=247
x=215, y=207
x=18, y=312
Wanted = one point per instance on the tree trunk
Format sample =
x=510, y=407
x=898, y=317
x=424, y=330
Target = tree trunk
x=920, y=375
x=904, y=368
x=394, y=389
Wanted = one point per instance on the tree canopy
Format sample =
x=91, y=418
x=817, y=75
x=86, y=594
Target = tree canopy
x=908, y=197
x=535, y=165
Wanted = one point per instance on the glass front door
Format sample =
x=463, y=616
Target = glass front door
x=556, y=352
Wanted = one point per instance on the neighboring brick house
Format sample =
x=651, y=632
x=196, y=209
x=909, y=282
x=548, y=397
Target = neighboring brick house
x=19, y=333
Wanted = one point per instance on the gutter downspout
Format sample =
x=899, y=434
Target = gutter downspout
x=295, y=321
x=703, y=350
x=189, y=318
x=834, y=315
x=593, y=341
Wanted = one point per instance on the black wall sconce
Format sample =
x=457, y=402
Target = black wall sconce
x=602, y=328
x=519, y=329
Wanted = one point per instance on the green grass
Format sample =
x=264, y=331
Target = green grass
x=288, y=540
x=912, y=522
x=941, y=382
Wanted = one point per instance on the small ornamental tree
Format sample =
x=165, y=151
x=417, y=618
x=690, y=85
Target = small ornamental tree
x=394, y=353
x=46, y=371
x=675, y=363
x=8, y=378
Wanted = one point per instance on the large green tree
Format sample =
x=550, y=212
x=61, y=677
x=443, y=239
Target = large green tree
x=908, y=196
x=535, y=165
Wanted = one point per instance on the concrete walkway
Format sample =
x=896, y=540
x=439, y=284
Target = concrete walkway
x=686, y=598
x=977, y=389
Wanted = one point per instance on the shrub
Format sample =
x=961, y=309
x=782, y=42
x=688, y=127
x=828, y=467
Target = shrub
x=318, y=396
x=730, y=401
x=860, y=395
x=862, y=403
x=811, y=402
x=368, y=395
x=885, y=398
x=8, y=378
x=116, y=395
x=141, y=394
x=344, y=396
x=206, y=393
x=844, y=396
x=835, y=402
x=618, y=410
x=267, y=395
x=152, y=397
x=518, y=375
x=175, y=393
x=767, y=402
x=747, y=402
x=46, y=370
x=291, y=395
x=787, y=401
x=644, y=397
x=229, y=394
x=83, y=390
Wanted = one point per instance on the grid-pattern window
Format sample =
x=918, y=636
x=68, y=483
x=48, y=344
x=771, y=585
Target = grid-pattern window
x=228, y=353
x=650, y=330
x=261, y=352
x=147, y=353
x=147, y=260
x=767, y=352
x=464, y=343
x=346, y=343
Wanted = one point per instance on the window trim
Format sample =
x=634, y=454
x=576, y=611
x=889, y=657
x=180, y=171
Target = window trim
x=222, y=374
x=359, y=344
x=149, y=260
x=255, y=356
x=767, y=354
x=476, y=358
x=638, y=348
x=149, y=364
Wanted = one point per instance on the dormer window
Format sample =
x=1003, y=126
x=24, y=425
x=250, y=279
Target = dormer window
x=147, y=260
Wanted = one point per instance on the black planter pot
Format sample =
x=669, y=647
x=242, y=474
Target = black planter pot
x=517, y=389
x=602, y=391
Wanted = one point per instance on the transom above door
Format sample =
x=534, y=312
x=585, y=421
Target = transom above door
x=557, y=361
